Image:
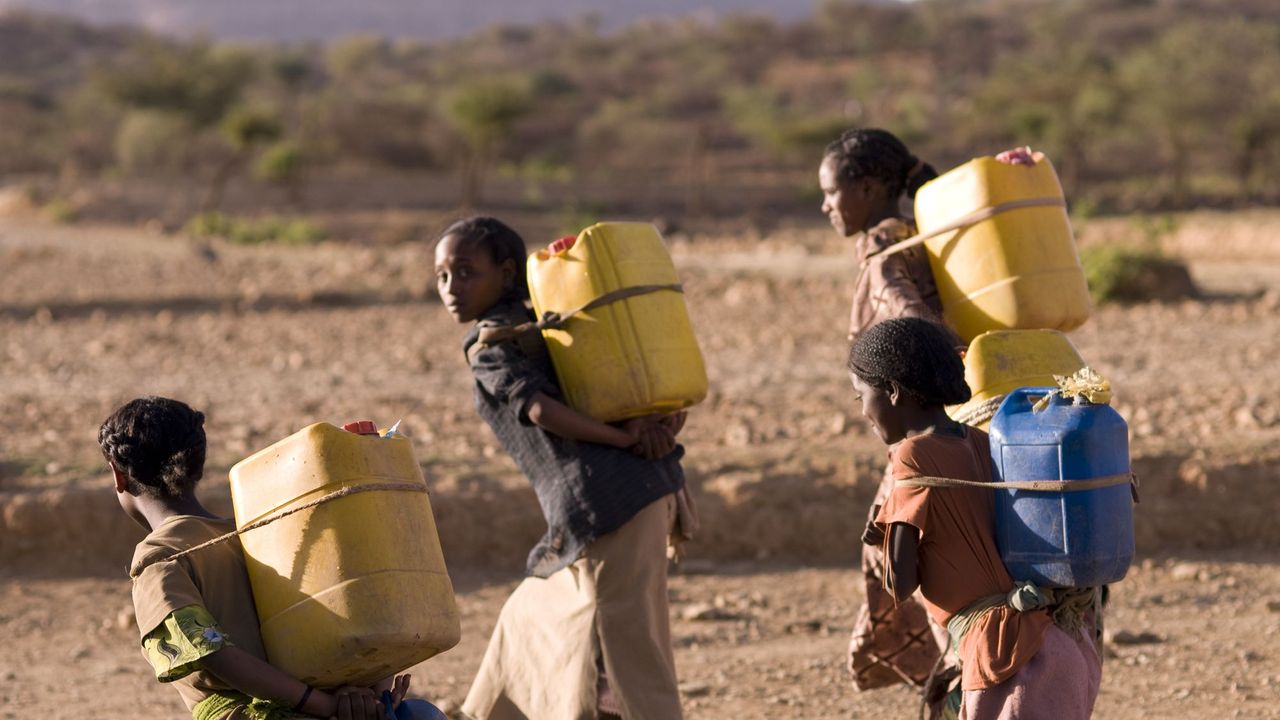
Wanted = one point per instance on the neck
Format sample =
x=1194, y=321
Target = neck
x=932, y=420
x=155, y=511
x=884, y=212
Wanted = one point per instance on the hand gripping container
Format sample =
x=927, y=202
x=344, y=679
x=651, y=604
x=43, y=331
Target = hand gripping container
x=1000, y=361
x=1071, y=538
x=629, y=356
x=353, y=589
x=1012, y=262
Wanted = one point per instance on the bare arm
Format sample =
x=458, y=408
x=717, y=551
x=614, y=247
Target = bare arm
x=259, y=679
x=648, y=436
x=902, y=574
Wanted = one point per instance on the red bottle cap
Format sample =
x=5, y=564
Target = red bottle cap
x=362, y=427
x=562, y=244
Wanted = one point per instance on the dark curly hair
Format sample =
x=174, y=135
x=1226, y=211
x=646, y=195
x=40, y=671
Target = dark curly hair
x=158, y=443
x=917, y=355
x=501, y=241
x=871, y=152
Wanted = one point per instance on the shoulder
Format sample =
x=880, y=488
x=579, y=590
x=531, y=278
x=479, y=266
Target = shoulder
x=908, y=457
x=501, y=315
x=175, y=535
x=888, y=232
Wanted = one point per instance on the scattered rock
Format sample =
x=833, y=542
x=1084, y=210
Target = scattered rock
x=693, y=690
x=1184, y=571
x=703, y=612
x=804, y=626
x=1273, y=606
x=1124, y=637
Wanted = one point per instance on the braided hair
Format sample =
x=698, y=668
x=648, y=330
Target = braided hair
x=158, y=443
x=917, y=355
x=501, y=241
x=875, y=153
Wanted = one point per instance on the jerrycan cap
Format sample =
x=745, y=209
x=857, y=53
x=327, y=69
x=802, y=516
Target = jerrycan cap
x=562, y=244
x=361, y=427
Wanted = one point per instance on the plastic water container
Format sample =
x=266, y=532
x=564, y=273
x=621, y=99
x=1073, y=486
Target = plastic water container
x=1016, y=270
x=1000, y=361
x=629, y=357
x=354, y=589
x=1061, y=539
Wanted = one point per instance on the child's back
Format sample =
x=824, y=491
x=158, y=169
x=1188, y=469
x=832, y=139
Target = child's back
x=959, y=562
x=214, y=580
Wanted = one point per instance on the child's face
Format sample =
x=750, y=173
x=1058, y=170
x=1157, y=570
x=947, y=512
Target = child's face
x=880, y=407
x=468, y=279
x=847, y=205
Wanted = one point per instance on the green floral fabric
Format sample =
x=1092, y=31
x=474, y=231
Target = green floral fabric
x=177, y=645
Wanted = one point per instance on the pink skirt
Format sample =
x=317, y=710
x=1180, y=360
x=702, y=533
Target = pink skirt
x=1060, y=683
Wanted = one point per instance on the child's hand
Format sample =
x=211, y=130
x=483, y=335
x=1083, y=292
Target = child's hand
x=872, y=534
x=357, y=703
x=653, y=440
x=675, y=421
x=1018, y=156
x=396, y=689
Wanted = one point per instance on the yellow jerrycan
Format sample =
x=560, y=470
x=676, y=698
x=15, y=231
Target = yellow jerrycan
x=355, y=588
x=631, y=351
x=1010, y=262
x=1000, y=361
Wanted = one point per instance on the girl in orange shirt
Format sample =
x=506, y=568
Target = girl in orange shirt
x=1014, y=663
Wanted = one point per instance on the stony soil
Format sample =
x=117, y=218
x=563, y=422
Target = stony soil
x=266, y=340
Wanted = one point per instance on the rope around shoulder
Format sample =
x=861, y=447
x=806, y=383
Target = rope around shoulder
x=335, y=495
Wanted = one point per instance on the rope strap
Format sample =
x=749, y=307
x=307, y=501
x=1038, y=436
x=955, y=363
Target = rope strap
x=972, y=218
x=926, y=481
x=335, y=495
x=979, y=413
x=552, y=320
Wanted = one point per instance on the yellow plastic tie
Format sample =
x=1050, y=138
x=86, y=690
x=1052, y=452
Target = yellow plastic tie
x=1084, y=383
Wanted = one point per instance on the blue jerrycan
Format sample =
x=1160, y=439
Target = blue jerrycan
x=1065, y=538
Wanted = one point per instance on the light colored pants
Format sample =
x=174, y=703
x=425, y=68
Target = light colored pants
x=541, y=660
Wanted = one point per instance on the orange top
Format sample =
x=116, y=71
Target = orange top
x=959, y=563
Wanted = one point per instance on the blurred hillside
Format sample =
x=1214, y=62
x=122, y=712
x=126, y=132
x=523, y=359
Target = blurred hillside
x=294, y=20
x=1142, y=104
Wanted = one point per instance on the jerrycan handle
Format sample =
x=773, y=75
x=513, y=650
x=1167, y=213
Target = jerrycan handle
x=1023, y=399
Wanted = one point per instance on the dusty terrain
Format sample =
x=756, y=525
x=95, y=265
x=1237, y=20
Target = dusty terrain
x=266, y=340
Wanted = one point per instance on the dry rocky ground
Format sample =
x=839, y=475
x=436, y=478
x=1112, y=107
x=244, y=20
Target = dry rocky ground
x=268, y=339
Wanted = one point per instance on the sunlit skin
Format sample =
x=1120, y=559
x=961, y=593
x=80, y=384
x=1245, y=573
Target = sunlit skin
x=853, y=206
x=896, y=416
x=468, y=279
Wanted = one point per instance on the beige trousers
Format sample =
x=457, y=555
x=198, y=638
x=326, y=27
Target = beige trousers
x=541, y=660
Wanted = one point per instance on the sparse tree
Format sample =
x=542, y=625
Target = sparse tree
x=484, y=113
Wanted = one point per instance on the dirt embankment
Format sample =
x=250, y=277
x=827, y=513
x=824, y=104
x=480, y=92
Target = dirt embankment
x=266, y=340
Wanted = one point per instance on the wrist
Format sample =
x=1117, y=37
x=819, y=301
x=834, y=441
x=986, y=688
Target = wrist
x=623, y=439
x=320, y=704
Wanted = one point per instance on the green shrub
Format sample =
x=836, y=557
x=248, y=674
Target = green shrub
x=1118, y=273
x=255, y=231
x=61, y=211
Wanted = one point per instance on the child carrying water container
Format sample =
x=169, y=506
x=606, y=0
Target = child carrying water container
x=865, y=176
x=1018, y=658
x=868, y=179
x=588, y=632
x=195, y=612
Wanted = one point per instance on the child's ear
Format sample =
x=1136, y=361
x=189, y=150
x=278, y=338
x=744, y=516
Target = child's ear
x=121, y=480
x=895, y=393
x=509, y=271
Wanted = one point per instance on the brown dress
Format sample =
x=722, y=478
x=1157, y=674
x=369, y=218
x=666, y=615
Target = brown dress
x=891, y=286
x=891, y=643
